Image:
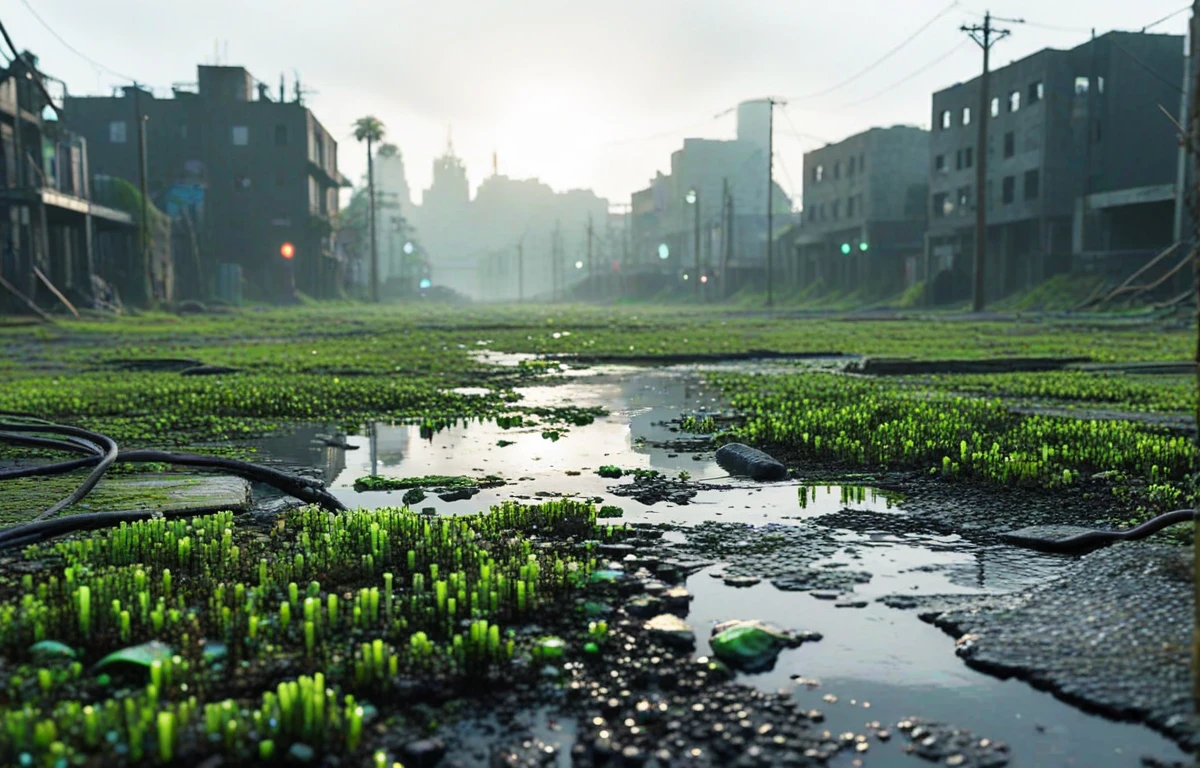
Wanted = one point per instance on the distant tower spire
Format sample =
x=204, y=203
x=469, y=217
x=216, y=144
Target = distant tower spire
x=495, y=164
x=449, y=141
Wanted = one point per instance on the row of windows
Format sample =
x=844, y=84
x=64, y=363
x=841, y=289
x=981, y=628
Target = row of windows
x=943, y=203
x=239, y=135
x=856, y=164
x=1035, y=93
x=854, y=207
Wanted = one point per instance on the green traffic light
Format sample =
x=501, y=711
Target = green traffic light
x=862, y=246
x=845, y=247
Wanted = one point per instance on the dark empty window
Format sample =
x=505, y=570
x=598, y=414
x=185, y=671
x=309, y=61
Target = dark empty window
x=939, y=163
x=958, y=166
x=968, y=157
x=862, y=162
x=837, y=170
x=1010, y=144
x=1036, y=92
x=850, y=167
x=1009, y=190
x=1033, y=183
x=837, y=209
x=939, y=205
x=280, y=135
x=849, y=207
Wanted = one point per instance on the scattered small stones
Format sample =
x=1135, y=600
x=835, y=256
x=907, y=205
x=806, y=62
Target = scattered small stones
x=741, y=581
x=458, y=494
x=672, y=631
x=952, y=746
x=424, y=753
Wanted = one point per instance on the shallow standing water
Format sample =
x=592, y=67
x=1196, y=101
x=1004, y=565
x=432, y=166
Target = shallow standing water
x=881, y=664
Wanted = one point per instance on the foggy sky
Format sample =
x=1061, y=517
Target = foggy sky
x=564, y=90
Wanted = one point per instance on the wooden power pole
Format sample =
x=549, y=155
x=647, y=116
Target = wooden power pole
x=144, y=228
x=771, y=198
x=520, y=269
x=986, y=36
x=591, y=273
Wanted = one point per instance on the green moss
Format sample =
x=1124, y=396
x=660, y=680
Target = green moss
x=439, y=482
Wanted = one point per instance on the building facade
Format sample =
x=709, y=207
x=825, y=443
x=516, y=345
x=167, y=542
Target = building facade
x=864, y=214
x=718, y=187
x=55, y=240
x=1081, y=163
x=245, y=173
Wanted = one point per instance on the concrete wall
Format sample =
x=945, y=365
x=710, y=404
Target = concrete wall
x=275, y=188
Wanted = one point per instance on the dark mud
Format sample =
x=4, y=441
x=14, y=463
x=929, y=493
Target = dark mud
x=1112, y=634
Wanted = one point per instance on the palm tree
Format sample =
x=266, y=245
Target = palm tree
x=370, y=129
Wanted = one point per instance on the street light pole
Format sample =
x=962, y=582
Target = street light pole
x=696, y=205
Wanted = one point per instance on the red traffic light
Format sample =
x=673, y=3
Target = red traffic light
x=287, y=250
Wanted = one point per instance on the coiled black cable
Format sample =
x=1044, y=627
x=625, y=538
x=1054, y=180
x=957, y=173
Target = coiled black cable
x=101, y=454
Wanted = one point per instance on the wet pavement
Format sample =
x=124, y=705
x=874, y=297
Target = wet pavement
x=875, y=663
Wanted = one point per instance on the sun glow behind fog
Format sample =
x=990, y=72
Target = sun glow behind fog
x=549, y=130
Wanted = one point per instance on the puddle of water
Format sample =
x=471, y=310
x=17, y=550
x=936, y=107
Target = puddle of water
x=502, y=359
x=887, y=657
x=902, y=668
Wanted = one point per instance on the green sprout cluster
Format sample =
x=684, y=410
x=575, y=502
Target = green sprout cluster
x=351, y=601
x=427, y=482
x=874, y=423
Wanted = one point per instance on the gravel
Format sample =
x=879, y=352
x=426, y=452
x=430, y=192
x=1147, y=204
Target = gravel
x=1113, y=635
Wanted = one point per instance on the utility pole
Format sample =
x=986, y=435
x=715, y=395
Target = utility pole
x=521, y=271
x=771, y=102
x=556, y=261
x=986, y=36
x=371, y=222
x=696, y=240
x=591, y=275
x=729, y=241
x=144, y=234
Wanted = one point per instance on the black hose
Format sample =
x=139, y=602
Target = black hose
x=1091, y=540
x=738, y=459
x=104, y=461
x=102, y=452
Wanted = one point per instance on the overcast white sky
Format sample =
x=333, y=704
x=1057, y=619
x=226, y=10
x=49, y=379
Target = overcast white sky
x=565, y=90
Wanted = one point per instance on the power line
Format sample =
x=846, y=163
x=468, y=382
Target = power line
x=910, y=76
x=72, y=48
x=668, y=134
x=1149, y=70
x=882, y=58
x=1168, y=17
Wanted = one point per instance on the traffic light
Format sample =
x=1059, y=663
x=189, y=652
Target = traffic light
x=845, y=247
x=862, y=247
x=425, y=283
x=287, y=250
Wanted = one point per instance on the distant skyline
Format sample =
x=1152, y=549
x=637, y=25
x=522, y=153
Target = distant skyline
x=585, y=94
